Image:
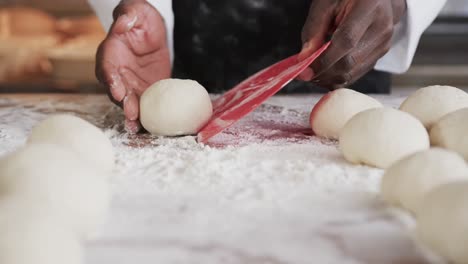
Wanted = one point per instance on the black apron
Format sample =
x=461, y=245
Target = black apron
x=220, y=43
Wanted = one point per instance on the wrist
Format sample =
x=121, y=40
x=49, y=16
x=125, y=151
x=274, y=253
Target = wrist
x=399, y=8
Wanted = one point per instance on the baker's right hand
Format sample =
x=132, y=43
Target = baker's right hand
x=133, y=56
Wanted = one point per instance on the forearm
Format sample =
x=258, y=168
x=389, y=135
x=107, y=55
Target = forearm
x=419, y=15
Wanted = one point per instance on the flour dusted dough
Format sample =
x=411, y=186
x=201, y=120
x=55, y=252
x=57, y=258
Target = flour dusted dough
x=451, y=132
x=379, y=137
x=50, y=175
x=175, y=107
x=334, y=109
x=68, y=131
x=431, y=103
x=442, y=221
x=32, y=234
x=407, y=181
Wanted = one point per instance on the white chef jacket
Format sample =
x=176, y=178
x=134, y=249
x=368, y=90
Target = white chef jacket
x=420, y=14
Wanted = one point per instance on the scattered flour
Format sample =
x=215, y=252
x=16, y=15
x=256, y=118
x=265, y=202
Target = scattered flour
x=263, y=191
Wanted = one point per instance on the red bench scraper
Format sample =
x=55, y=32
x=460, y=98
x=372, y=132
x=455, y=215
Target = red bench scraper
x=249, y=94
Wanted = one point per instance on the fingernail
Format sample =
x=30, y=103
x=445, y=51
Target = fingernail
x=132, y=22
x=306, y=45
x=127, y=21
x=132, y=127
x=130, y=105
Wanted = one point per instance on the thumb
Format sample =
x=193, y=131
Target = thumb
x=125, y=21
x=317, y=27
x=126, y=15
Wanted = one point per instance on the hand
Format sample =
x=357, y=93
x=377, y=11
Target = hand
x=364, y=29
x=133, y=56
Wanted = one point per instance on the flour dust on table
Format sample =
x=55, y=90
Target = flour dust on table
x=263, y=191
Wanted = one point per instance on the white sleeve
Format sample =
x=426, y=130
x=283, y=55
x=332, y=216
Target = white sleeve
x=104, y=9
x=419, y=16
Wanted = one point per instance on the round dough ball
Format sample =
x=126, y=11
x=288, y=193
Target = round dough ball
x=54, y=176
x=175, y=107
x=431, y=103
x=407, y=181
x=72, y=132
x=33, y=235
x=442, y=221
x=451, y=132
x=336, y=108
x=379, y=137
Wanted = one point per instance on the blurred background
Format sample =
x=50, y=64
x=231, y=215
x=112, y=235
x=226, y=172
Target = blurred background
x=49, y=46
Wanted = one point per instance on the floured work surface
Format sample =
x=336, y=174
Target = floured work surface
x=263, y=191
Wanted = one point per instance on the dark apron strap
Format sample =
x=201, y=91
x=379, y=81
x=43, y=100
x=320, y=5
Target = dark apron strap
x=220, y=43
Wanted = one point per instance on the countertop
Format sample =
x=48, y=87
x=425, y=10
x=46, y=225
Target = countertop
x=264, y=191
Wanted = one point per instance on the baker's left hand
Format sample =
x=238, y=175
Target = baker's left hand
x=361, y=32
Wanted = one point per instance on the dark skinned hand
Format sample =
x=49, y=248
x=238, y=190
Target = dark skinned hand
x=361, y=34
x=133, y=56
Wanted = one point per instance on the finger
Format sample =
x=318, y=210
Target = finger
x=132, y=126
x=124, y=23
x=139, y=26
x=125, y=6
x=306, y=75
x=367, y=66
x=316, y=27
x=135, y=88
x=133, y=82
x=346, y=37
x=107, y=73
x=360, y=61
x=345, y=79
x=339, y=74
x=131, y=106
x=126, y=15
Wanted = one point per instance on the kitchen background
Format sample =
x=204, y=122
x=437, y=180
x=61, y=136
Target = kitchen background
x=49, y=46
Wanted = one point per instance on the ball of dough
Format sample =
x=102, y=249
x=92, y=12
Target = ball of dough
x=379, y=137
x=451, y=132
x=431, y=103
x=54, y=176
x=175, y=107
x=442, y=221
x=72, y=132
x=334, y=109
x=33, y=235
x=407, y=181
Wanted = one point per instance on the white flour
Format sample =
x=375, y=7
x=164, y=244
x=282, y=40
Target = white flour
x=264, y=191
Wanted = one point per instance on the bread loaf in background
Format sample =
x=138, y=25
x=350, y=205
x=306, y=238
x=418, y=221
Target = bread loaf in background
x=86, y=25
x=35, y=44
x=24, y=58
x=25, y=21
